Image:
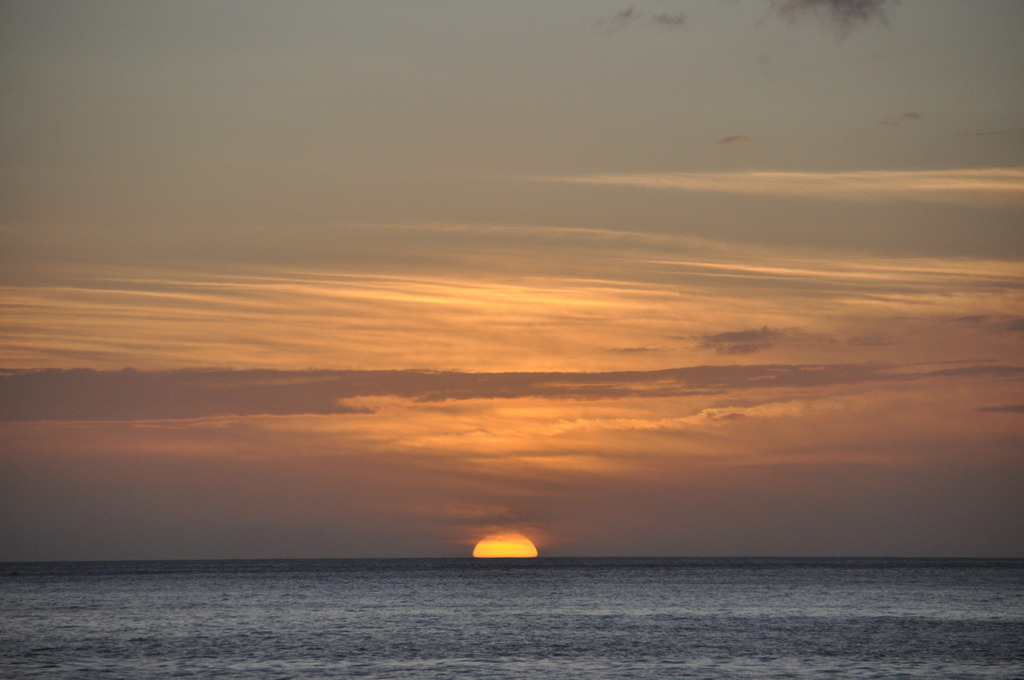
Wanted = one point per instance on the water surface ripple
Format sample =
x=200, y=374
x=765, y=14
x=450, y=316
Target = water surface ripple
x=496, y=619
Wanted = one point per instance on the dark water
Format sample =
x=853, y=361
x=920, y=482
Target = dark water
x=549, y=617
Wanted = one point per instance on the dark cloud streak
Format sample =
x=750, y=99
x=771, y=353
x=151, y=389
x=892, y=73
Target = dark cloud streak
x=898, y=121
x=631, y=16
x=79, y=394
x=673, y=19
x=742, y=342
x=622, y=19
x=1013, y=408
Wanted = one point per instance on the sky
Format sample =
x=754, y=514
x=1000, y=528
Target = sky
x=380, y=279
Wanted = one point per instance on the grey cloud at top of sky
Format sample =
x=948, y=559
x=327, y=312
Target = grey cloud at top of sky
x=843, y=15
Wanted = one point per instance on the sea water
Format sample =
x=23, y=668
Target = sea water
x=494, y=619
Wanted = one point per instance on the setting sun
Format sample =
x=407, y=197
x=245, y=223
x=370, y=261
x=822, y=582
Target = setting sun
x=505, y=545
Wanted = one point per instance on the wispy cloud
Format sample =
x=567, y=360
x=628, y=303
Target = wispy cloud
x=732, y=139
x=622, y=19
x=654, y=292
x=994, y=322
x=993, y=133
x=969, y=185
x=1012, y=408
x=742, y=342
x=670, y=19
x=898, y=121
x=635, y=350
x=631, y=16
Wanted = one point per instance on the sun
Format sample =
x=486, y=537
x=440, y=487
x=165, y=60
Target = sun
x=507, y=544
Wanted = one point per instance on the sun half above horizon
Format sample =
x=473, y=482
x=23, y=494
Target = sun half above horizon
x=508, y=544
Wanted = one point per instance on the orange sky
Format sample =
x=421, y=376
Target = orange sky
x=356, y=280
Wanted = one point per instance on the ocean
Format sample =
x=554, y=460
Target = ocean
x=499, y=618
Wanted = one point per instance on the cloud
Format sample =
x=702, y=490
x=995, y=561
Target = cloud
x=981, y=371
x=670, y=19
x=416, y=475
x=898, y=121
x=85, y=395
x=727, y=416
x=871, y=341
x=639, y=291
x=622, y=19
x=742, y=342
x=631, y=16
x=974, y=319
x=971, y=186
x=1012, y=408
x=991, y=133
x=843, y=15
x=732, y=140
x=1002, y=323
x=82, y=394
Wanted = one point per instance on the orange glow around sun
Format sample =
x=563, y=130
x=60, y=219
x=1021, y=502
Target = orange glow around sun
x=505, y=545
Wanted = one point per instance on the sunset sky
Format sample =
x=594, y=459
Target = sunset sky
x=382, y=278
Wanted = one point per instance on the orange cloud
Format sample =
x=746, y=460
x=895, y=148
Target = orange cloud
x=970, y=186
x=653, y=297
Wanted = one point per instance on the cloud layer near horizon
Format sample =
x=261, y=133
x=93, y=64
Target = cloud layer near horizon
x=82, y=395
x=320, y=463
